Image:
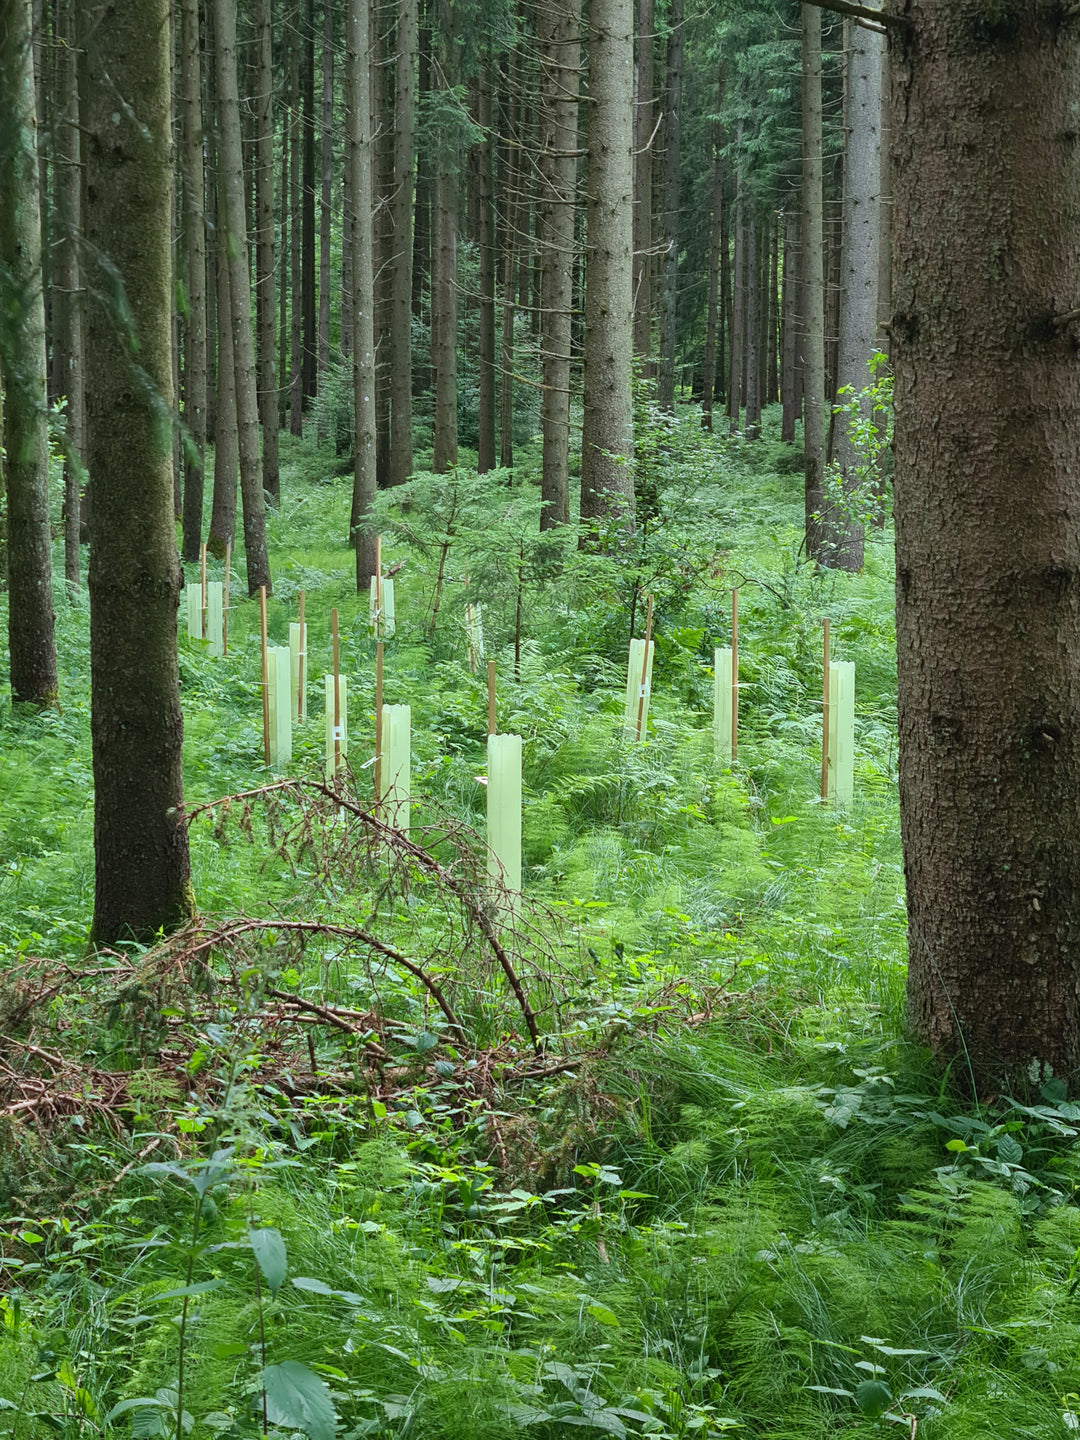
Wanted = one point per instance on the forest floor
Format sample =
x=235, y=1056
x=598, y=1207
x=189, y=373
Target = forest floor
x=651, y=1158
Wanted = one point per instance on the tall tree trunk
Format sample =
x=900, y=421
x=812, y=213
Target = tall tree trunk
x=987, y=502
x=863, y=50
x=790, y=395
x=738, y=298
x=234, y=228
x=31, y=644
x=296, y=249
x=669, y=269
x=382, y=139
x=401, y=214
x=191, y=153
x=283, y=272
x=885, y=215
x=644, y=124
x=607, y=440
x=141, y=865
x=326, y=203
x=485, y=239
x=444, y=287
x=753, y=326
x=813, y=286
x=310, y=376
x=222, y=530
x=708, y=378
x=772, y=315
x=358, y=57
x=559, y=24
x=265, y=300
x=68, y=302
x=510, y=184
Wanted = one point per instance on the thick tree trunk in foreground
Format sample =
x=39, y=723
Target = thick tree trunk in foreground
x=988, y=533
x=559, y=23
x=142, y=871
x=607, y=440
x=233, y=222
x=358, y=45
x=31, y=645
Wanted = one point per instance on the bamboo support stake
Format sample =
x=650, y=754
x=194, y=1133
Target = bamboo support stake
x=734, y=675
x=492, y=722
x=644, y=671
x=265, y=674
x=225, y=602
x=202, y=585
x=337, y=689
x=301, y=672
x=825, y=716
x=378, y=722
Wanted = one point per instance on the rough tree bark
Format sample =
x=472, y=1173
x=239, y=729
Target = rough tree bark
x=191, y=161
x=222, y=532
x=68, y=299
x=644, y=124
x=987, y=498
x=308, y=304
x=141, y=865
x=444, y=307
x=31, y=643
x=607, y=440
x=708, y=379
x=559, y=23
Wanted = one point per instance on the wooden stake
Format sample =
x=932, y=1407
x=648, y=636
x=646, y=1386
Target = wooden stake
x=202, y=582
x=492, y=724
x=303, y=666
x=225, y=604
x=825, y=716
x=644, y=669
x=734, y=674
x=378, y=588
x=265, y=674
x=337, y=690
x=378, y=721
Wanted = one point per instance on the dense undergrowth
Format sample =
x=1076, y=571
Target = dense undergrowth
x=262, y=1177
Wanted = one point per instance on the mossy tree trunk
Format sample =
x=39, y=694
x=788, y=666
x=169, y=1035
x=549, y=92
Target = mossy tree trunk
x=141, y=866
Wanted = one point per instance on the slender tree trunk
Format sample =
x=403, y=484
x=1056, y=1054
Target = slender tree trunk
x=234, y=228
x=358, y=57
x=222, y=532
x=559, y=24
x=987, y=503
x=326, y=202
x=708, y=378
x=607, y=441
x=444, y=289
x=510, y=183
x=790, y=396
x=885, y=215
x=644, y=124
x=753, y=326
x=382, y=140
x=210, y=229
x=669, y=267
x=485, y=238
x=68, y=302
x=860, y=258
x=813, y=275
x=195, y=276
x=738, y=300
x=401, y=212
x=296, y=255
x=265, y=300
x=141, y=865
x=772, y=396
x=283, y=273
x=31, y=646
x=309, y=379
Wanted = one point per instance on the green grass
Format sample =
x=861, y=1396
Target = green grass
x=735, y=1207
